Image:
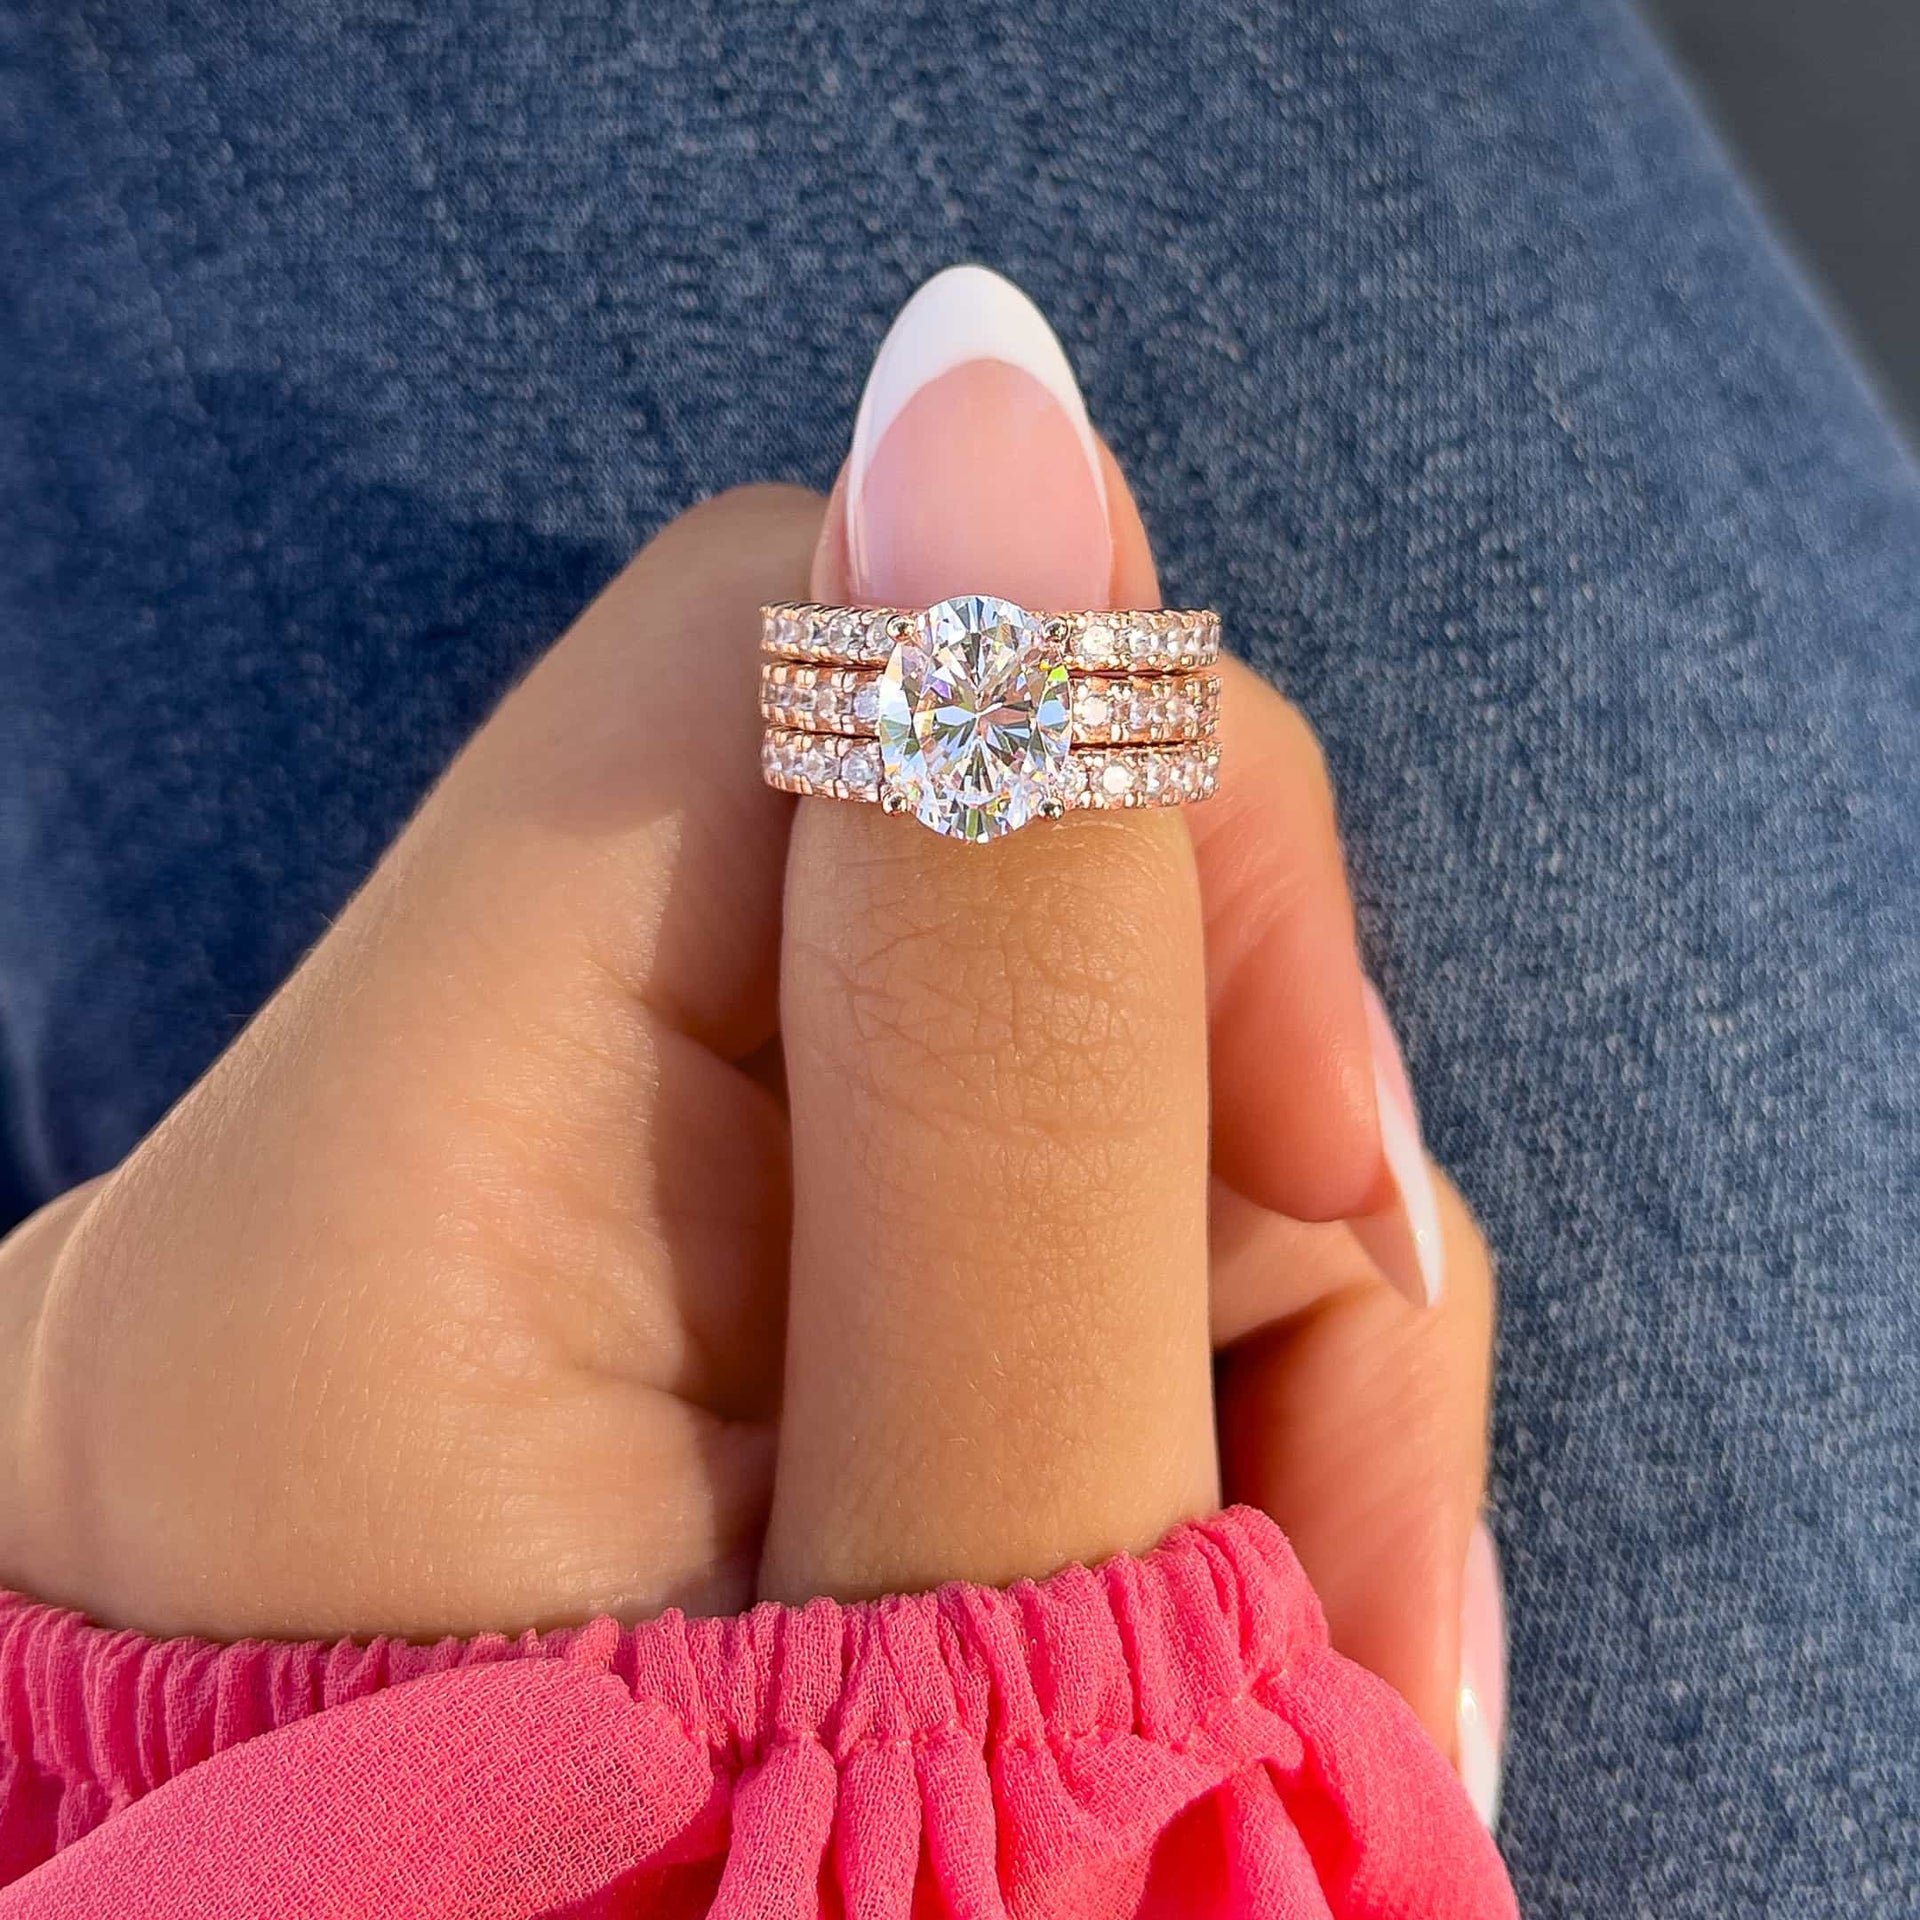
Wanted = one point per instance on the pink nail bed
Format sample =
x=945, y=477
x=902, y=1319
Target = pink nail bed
x=974, y=468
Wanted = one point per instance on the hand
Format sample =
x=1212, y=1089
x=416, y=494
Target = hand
x=464, y=1291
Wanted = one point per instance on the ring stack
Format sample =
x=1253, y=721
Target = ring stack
x=976, y=715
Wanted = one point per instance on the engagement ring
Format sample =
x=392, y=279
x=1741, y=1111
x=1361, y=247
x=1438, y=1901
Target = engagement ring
x=977, y=715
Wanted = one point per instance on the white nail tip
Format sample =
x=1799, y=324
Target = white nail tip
x=963, y=313
x=1407, y=1162
x=1479, y=1758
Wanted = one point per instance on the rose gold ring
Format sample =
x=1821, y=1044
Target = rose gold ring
x=977, y=715
x=1148, y=640
x=1143, y=709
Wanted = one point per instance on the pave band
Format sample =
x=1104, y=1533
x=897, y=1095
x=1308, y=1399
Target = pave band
x=1106, y=777
x=977, y=715
x=1108, y=709
x=1146, y=640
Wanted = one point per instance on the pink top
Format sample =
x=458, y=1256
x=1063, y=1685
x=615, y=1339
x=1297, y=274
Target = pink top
x=1168, y=1735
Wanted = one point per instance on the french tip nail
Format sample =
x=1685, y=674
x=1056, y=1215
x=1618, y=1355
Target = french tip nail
x=962, y=314
x=987, y=480
x=1406, y=1158
x=1480, y=1719
x=1420, y=1264
x=1479, y=1761
x=965, y=312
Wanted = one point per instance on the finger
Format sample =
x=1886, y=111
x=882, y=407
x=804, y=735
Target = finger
x=997, y=1349
x=1361, y=1429
x=1321, y=1182
x=1311, y=1117
x=626, y=762
x=1307, y=1105
x=1293, y=1094
x=487, y=1142
x=577, y=933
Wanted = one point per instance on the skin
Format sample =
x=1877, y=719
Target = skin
x=457, y=1294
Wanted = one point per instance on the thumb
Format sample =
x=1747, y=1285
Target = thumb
x=997, y=1355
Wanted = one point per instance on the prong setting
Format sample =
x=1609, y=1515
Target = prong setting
x=974, y=714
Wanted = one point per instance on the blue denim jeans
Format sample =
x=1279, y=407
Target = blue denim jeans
x=349, y=349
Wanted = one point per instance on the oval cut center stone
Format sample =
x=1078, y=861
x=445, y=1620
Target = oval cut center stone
x=976, y=718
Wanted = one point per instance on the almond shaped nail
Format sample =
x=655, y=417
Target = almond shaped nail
x=1403, y=1240
x=1481, y=1723
x=974, y=468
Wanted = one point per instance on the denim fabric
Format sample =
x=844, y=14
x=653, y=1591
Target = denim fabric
x=348, y=350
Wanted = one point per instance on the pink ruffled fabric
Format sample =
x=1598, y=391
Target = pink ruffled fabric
x=1168, y=1735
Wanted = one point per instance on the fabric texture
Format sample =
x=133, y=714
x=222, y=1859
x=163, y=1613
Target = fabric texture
x=348, y=349
x=1168, y=1735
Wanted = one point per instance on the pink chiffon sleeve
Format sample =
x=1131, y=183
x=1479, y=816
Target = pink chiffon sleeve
x=1167, y=1735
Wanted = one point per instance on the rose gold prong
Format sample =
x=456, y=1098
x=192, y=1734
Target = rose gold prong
x=989, y=714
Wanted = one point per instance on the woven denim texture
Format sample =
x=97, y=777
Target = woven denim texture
x=347, y=350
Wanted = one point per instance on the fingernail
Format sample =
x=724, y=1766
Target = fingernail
x=1403, y=1239
x=1481, y=1728
x=974, y=468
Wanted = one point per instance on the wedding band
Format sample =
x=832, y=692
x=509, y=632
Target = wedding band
x=1108, y=710
x=842, y=769
x=1155, y=640
x=978, y=715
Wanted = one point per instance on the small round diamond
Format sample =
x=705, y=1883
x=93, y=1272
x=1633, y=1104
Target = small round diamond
x=866, y=703
x=860, y=767
x=1097, y=645
x=1116, y=779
